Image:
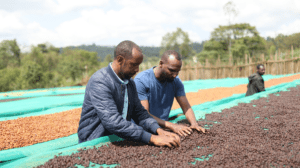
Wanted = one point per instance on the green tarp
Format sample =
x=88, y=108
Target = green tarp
x=69, y=145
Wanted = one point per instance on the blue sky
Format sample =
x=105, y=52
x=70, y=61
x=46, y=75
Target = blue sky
x=108, y=22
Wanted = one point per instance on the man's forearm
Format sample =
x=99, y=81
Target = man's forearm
x=162, y=123
x=190, y=116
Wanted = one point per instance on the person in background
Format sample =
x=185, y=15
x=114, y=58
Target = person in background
x=256, y=82
x=158, y=86
x=111, y=101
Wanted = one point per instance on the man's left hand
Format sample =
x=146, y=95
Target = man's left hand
x=167, y=133
x=197, y=127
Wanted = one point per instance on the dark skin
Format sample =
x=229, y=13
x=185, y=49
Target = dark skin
x=126, y=68
x=167, y=71
x=261, y=70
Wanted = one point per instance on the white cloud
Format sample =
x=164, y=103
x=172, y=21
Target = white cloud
x=108, y=22
x=209, y=19
x=62, y=6
x=289, y=29
x=194, y=37
x=98, y=25
x=10, y=22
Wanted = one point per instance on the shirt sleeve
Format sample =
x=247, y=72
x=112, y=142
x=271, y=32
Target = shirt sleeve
x=142, y=88
x=259, y=85
x=179, y=88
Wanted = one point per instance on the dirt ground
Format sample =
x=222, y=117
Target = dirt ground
x=36, y=129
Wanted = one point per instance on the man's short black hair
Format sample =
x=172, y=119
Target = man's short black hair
x=259, y=65
x=166, y=55
x=125, y=49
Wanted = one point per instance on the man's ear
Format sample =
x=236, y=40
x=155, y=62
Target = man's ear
x=120, y=59
x=160, y=64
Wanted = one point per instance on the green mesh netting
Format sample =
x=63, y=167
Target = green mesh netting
x=42, y=112
x=16, y=108
x=45, y=104
x=41, y=92
x=195, y=85
x=34, y=159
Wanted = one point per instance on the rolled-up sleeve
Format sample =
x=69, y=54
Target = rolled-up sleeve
x=106, y=109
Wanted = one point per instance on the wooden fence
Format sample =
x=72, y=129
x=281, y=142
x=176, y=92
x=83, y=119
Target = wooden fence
x=275, y=65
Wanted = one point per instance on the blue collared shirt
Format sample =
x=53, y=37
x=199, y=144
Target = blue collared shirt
x=125, y=82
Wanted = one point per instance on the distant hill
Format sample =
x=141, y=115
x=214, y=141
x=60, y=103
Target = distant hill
x=147, y=51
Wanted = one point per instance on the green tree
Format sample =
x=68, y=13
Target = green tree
x=33, y=75
x=10, y=79
x=243, y=37
x=9, y=54
x=178, y=41
x=231, y=11
x=47, y=47
x=73, y=63
x=272, y=50
x=108, y=58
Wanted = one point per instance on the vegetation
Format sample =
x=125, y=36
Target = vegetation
x=244, y=39
x=43, y=67
x=178, y=41
x=47, y=66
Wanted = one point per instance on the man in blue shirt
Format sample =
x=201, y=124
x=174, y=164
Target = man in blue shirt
x=157, y=88
x=111, y=102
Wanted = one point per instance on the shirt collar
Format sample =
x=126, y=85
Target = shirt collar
x=123, y=82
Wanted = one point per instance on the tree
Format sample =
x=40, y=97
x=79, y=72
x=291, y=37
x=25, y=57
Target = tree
x=33, y=75
x=108, y=58
x=178, y=41
x=272, y=50
x=10, y=79
x=9, y=54
x=74, y=61
x=245, y=39
x=231, y=11
x=47, y=47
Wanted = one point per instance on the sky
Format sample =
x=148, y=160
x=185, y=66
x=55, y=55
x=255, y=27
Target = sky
x=108, y=22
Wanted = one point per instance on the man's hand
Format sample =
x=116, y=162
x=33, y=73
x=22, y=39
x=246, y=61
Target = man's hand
x=162, y=140
x=197, y=127
x=167, y=133
x=181, y=129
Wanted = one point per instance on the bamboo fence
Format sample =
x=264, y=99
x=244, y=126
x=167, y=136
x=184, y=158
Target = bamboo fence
x=275, y=65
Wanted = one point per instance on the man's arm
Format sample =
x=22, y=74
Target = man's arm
x=162, y=123
x=189, y=113
x=144, y=119
x=179, y=129
x=259, y=85
x=106, y=109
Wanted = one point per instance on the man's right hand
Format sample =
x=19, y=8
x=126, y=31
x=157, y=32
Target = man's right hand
x=162, y=140
x=181, y=129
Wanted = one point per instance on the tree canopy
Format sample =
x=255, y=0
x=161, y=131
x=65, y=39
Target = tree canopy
x=178, y=41
x=244, y=38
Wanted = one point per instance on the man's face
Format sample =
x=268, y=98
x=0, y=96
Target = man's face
x=129, y=67
x=261, y=70
x=171, y=68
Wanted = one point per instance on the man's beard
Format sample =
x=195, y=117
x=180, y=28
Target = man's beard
x=125, y=76
x=165, y=76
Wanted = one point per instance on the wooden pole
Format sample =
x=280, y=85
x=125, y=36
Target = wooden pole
x=292, y=49
x=207, y=70
x=246, y=65
x=250, y=67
